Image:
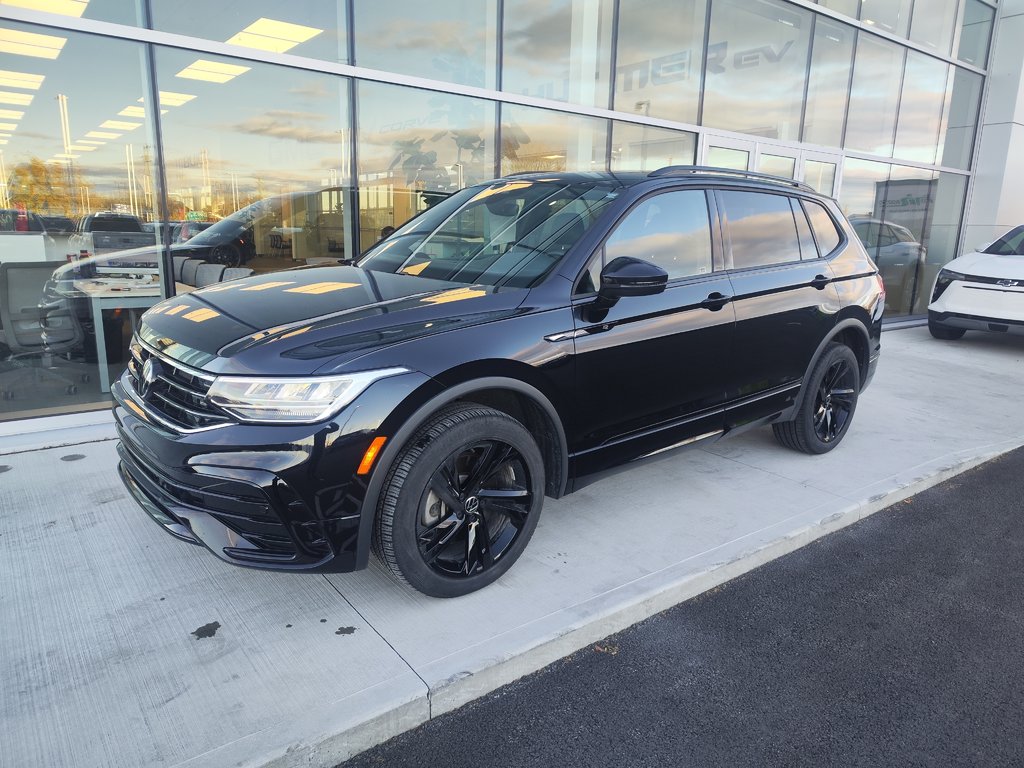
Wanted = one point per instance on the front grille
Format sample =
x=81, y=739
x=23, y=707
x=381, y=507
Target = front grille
x=982, y=279
x=178, y=394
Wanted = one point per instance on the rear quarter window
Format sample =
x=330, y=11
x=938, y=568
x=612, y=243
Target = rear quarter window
x=761, y=227
x=824, y=227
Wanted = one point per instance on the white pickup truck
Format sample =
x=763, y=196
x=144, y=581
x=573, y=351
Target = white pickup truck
x=100, y=233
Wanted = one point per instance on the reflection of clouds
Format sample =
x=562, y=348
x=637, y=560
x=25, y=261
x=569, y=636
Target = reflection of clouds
x=543, y=38
x=294, y=114
x=678, y=253
x=753, y=236
x=264, y=125
x=314, y=90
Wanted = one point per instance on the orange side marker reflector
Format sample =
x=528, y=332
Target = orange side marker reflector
x=371, y=454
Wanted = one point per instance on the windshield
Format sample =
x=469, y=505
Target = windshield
x=230, y=226
x=508, y=234
x=1010, y=244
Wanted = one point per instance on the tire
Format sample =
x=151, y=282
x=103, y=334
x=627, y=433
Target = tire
x=228, y=254
x=829, y=404
x=944, y=332
x=428, y=527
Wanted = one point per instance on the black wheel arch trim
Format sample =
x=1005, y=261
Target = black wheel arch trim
x=410, y=425
x=837, y=330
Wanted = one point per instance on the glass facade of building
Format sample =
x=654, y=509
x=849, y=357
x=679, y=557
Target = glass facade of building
x=151, y=146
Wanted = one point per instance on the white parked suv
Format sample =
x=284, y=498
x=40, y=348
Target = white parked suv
x=981, y=291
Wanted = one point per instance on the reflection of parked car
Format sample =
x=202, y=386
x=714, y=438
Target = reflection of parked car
x=58, y=224
x=503, y=345
x=981, y=291
x=186, y=230
x=106, y=232
x=896, y=252
x=16, y=220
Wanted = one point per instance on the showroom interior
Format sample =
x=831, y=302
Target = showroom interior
x=149, y=147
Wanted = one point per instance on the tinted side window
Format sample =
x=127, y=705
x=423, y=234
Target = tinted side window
x=762, y=230
x=808, y=250
x=824, y=228
x=671, y=230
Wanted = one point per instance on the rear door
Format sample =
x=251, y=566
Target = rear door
x=651, y=369
x=784, y=300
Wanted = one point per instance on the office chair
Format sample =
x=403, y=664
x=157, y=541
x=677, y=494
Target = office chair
x=35, y=328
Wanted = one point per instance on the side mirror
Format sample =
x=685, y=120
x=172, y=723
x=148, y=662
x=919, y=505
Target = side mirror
x=626, y=276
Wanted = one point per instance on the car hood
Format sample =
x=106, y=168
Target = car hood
x=989, y=265
x=299, y=321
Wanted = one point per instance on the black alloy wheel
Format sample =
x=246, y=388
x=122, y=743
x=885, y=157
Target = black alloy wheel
x=829, y=402
x=461, y=502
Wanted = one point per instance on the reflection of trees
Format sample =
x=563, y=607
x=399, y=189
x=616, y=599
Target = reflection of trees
x=47, y=188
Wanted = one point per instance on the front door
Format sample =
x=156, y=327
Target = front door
x=651, y=370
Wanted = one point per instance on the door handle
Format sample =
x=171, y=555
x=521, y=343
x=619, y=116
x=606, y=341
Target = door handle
x=820, y=281
x=715, y=301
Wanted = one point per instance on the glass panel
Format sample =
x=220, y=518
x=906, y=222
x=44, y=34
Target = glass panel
x=904, y=214
x=861, y=196
x=761, y=229
x=671, y=230
x=452, y=40
x=77, y=187
x=658, y=61
x=777, y=165
x=509, y=234
x=756, y=66
x=924, y=93
x=302, y=27
x=415, y=148
x=890, y=16
x=944, y=218
x=724, y=157
x=118, y=11
x=875, y=95
x=646, y=148
x=827, y=89
x=975, y=33
x=543, y=140
x=820, y=176
x=808, y=249
x=850, y=7
x=933, y=22
x=964, y=97
x=824, y=227
x=257, y=160
x=558, y=49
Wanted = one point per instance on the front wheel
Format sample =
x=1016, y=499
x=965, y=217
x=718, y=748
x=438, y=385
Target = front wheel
x=461, y=502
x=828, y=406
x=944, y=332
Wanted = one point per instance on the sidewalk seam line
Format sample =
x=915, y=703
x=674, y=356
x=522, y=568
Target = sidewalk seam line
x=430, y=705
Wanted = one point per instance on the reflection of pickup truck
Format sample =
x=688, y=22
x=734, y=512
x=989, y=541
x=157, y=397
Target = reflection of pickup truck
x=107, y=232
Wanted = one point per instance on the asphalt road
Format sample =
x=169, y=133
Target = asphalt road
x=896, y=641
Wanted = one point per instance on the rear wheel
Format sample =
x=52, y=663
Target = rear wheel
x=944, y=332
x=461, y=502
x=828, y=406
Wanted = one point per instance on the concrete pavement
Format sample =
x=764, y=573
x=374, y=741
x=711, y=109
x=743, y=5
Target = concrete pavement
x=122, y=646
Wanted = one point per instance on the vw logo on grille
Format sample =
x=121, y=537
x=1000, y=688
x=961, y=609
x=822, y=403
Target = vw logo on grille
x=1008, y=283
x=151, y=371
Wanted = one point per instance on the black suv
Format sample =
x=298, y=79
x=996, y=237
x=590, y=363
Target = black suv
x=507, y=344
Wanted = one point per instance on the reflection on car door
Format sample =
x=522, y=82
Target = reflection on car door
x=651, y=370
x=784, y=304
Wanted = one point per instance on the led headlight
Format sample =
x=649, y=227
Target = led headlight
x=293, y=401
x=946, y=276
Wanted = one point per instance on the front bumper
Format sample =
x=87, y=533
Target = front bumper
x=977, y=322
x=276, y=497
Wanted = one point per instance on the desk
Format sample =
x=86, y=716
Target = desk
x=114, y=294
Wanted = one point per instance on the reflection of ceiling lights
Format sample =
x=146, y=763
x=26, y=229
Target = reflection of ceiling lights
x=80, y=148
x=211, y=71
x=21, y=99
x=103, y=135
x=91, y=141
x=172, y=99
x=5, y=135
x=30, y=43
x=3, y=141
x=136, y=112
x=24, y=80
x=275, y=36
x=119, y=125
x=64, y=7
x=11, y=114
x=8, y=126
x=66, y=156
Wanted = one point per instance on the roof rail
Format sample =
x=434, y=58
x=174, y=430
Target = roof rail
x=687, y=170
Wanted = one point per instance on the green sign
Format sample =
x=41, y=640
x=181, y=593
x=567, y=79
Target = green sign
x=195, y=216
